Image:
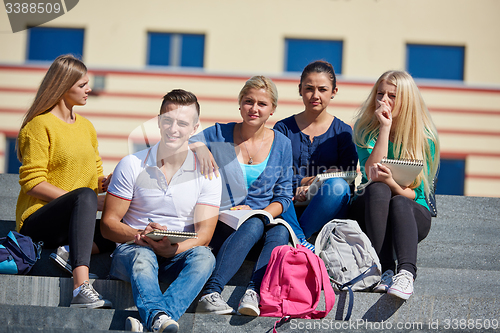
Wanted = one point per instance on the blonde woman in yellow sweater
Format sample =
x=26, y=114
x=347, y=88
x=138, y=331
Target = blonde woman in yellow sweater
x=61, y=174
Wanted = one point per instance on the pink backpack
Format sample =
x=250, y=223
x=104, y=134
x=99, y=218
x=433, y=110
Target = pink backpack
x=292, y=285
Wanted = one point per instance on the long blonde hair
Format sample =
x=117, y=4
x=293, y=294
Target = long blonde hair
x=413, y=126
x=64, y=72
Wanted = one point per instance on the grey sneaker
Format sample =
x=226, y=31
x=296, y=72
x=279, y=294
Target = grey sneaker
x=89, y=298
x=133, y=325
x=165, y=324
x=213, y=303
x=385, y=282
x=249, y=304
x=61, y=259
x=402, y=286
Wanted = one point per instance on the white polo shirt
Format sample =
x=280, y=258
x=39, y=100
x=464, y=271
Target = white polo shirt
x=138, y=179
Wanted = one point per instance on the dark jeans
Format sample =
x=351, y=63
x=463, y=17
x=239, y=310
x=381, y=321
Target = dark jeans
x=393, y=224
x=69, y=219
x=232, y=246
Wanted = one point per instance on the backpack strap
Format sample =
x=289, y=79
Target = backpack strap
x=320, y=269
x=322, y=280
x=280, y=322
x=349, y=285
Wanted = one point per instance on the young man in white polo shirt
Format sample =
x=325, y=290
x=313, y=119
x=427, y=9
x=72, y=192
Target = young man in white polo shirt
x=162, y=188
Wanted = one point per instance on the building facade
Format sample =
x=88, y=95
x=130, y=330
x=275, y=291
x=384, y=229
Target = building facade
x=138, y=51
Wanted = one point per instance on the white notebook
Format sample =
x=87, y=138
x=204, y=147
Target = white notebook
x=404, y=172
x=174, y=236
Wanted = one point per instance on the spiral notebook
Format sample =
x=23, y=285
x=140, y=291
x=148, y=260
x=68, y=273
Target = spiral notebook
x=174, y=236
x=404, y=172
x=349, y=177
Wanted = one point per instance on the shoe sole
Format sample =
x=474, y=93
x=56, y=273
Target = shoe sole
x=61, y=263
x=249, y=311
x=95, y=305
x=171, y=328
x=399, y=294
x=219, y=312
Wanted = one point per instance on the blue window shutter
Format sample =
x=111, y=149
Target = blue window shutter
x=451, y=177
x=159, y=49
x=300, y=52
x=46, y=44
x=193, y=50
x=435, y=61
x=11, y=160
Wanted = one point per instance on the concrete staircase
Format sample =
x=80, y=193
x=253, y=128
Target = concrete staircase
x=458, y=285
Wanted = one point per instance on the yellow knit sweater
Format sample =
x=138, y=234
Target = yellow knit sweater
x=64, y=155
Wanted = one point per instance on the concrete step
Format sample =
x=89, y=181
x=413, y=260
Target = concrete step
x=438, y=294
x=19, y=318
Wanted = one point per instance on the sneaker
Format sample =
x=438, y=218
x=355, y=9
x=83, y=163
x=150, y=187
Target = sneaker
x=385, y=282
x=402, y=285
x=249, y=304
x=133, y=325
x=213, y=303
x=89, y=298
x=308, y=245
x=165, y=324
x=61, y=259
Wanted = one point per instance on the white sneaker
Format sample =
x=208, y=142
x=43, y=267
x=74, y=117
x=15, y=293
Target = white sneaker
x=402, y=285
x=61, y=259
x=213, y=303
x=165, y=324
x=133, y=325
x=385, y=282
x=249, y=304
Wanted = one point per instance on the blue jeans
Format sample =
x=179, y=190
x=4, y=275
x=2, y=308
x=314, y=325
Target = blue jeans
x=237, y=245
x=186, y=272
x=329, y=203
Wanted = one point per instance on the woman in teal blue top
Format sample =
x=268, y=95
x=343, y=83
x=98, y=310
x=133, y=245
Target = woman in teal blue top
x=395, y=123
x=256, y=168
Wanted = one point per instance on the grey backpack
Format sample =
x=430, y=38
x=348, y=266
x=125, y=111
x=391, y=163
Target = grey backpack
x=350, y=259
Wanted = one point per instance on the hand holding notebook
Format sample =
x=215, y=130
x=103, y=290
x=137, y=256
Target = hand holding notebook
x=403, y=172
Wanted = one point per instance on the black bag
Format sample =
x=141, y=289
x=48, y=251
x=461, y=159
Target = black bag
x=18, y=253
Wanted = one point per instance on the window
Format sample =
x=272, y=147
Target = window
x=180, y=50
x=11, y=161
x=46, y=44
x=451, y=177
x=435, y=61
x=300, y=52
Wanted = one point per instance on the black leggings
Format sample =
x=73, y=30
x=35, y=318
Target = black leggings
x=392, y=222
x=69, y=219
